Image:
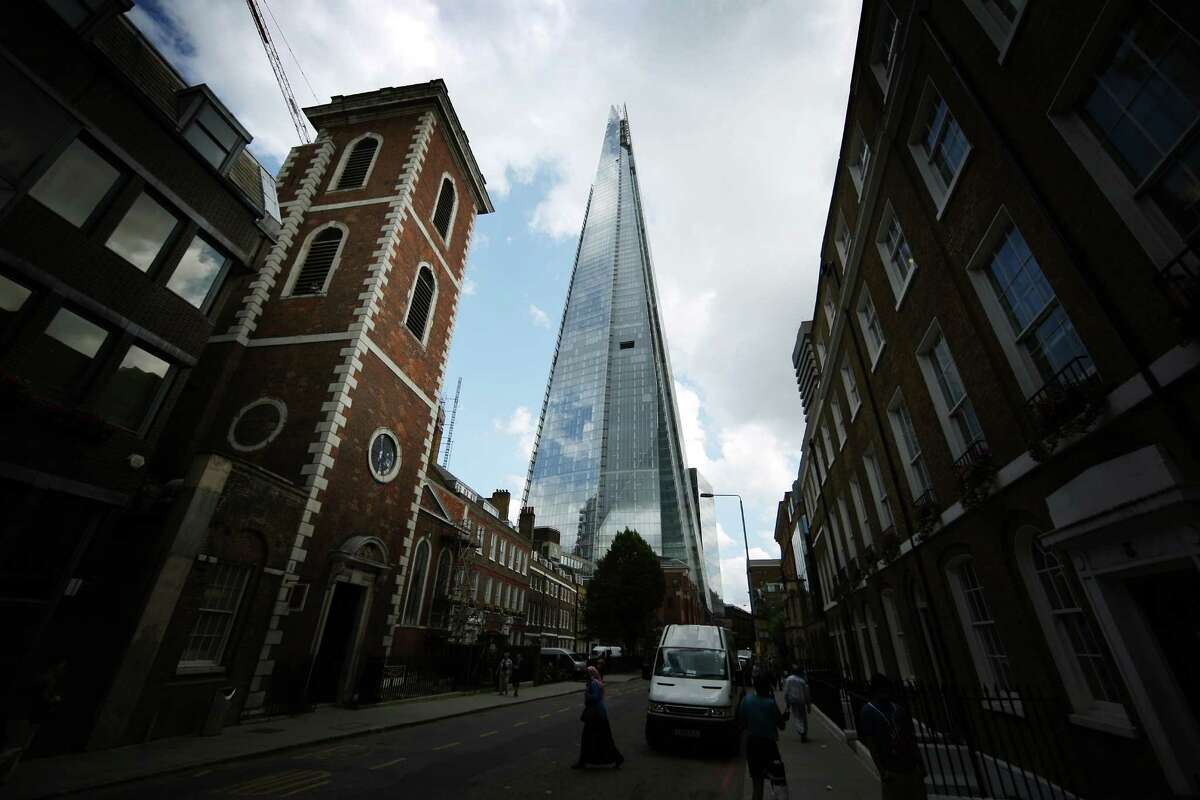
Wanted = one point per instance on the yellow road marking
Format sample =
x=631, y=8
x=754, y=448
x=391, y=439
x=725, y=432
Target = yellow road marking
x=281, y=784
x=519, y=724
x=489, y=733
x=447, y=746
x=389, y=763
x=331, y=752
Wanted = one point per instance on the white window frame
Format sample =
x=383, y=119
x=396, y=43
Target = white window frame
x=830, y=313
x=390, y=475
x=341, y=167
x=866, y=312
x=851, y=543
x=230, y=616
x=973, y=630
x=901, y=422
x=453, y=209
x=875, y=481
x=1140, y=214
x=843, y=240
x=412, y=292
x=1023, y=367
x=302, y=255
x=930, y=369
x=884, y=68
x=853, y=399
x=887, y=254
x=494, y=547
x=891, y=616
x=1000, y=30
x=940, y=190
x=827, y=441
x=859, y=159
x=860, y=635
x=860, y=510
x=424, y=583
x=839, y=422
x=821, y=356
x=1090, y=711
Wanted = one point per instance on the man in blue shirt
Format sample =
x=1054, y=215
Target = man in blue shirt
x=763, y=721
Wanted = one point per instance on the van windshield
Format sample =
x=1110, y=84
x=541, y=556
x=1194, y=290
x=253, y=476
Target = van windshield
x=687, y=662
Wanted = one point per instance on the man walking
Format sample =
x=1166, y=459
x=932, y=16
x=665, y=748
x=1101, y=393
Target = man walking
x=887, y=730
x=795, y=694
x=516, y=674
x=505, y=671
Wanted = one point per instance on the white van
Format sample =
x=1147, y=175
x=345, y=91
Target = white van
x=694, y=692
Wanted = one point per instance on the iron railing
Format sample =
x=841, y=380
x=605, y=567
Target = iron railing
x=1180, y=282
x=977, y=452
x=1064, y=396
x=974, y=741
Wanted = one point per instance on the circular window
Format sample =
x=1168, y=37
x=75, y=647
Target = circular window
x=257, y=424
x=383, y=455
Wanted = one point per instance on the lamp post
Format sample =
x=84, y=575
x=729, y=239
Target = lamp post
x=746, y=542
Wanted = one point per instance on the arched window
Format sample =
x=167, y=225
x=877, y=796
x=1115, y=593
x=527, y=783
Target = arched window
x=421, y=305
x=443, y=212
x=1076, y=644
x=987, y=648
x=358, y=163
x=313, y=274
x=416, y=583
x=441, y=590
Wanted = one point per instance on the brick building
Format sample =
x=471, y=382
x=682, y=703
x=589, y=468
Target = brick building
x=1000, y=373
x=131, y=216
x=791, y=534
x=683, y=601
x=555, y=613
x=470, y=569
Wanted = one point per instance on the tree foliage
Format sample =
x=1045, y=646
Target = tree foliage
x=626, y=589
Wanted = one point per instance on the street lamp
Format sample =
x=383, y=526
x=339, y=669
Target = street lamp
x=746, y=542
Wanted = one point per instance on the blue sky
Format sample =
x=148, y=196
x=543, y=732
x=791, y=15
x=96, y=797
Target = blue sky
x=737, y=112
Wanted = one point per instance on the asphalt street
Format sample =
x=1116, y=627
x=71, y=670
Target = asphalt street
x=522, y=751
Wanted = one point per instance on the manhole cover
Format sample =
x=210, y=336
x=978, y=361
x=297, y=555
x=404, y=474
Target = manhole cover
x=265, y=730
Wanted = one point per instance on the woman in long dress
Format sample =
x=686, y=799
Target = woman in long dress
x=596, y=745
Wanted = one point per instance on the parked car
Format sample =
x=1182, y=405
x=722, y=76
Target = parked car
x=560, y=664
x=694, y=691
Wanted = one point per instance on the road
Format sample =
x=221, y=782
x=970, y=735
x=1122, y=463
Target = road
x=520, y=751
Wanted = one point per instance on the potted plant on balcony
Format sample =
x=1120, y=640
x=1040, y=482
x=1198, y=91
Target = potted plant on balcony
x=890, y=545
x=926, y=517
x=976, y=475
x=1061, y=412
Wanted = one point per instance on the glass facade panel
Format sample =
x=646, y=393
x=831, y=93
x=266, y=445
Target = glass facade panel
x=131, y=393
x=609, y=453
x=142, y=232
x=75, y=183
x=197, y=271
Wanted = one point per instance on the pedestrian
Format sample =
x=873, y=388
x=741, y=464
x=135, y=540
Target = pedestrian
x=596, y=745
x=602, y=664
x=795, y=694
x=887, y=729
x=763, y=721
x=505, y=670
x=516, y=674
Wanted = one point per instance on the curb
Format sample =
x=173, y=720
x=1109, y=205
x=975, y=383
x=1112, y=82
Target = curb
x=569, y=688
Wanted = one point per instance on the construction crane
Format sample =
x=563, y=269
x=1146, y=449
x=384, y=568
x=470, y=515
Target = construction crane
x=450, y=426
x=289, y=99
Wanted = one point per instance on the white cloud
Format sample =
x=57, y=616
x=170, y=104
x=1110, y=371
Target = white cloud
x=736, y=112
x=469, y=286
x=520, y=425
x=539, y=317
x=757, y=553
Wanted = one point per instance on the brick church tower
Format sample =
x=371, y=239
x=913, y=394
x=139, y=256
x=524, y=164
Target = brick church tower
x=316, y=410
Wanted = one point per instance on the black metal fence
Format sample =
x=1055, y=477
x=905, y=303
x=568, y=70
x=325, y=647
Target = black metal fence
x=974, y=742
x=441, y=668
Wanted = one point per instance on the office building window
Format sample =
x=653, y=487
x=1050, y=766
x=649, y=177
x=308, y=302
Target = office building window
x=143, y=232
x=860, y=159
x=132, y=393
x=76, y=183
x=950, y=400
x=938, y=146
x=898, y=262
x=198, y=273
x=885, y=46
x=851, y=389
x=909, y=446
x=872, y=330
x=64, y=353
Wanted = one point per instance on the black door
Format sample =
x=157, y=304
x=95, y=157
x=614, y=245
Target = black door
x=1171, y=604
x=336, y=642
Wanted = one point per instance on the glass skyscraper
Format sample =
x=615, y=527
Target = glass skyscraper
x=706, y=515
x=608, y=454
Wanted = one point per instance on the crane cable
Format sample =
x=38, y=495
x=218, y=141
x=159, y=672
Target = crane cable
x=285, y=88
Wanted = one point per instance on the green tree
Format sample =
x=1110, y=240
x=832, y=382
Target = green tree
x=625, y=591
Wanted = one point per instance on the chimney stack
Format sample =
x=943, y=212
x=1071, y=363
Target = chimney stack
x=525, y=525
x=501, y=499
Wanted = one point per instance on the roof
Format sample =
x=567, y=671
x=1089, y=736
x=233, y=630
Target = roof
x=395, y=98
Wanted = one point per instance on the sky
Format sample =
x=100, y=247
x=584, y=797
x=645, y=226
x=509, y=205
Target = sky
x=736, y=111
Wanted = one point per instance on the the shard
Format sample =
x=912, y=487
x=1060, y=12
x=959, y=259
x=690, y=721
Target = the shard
x=608, y=454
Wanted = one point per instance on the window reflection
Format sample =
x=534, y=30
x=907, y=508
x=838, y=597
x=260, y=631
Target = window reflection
x=75, y=183
x=133, y=390
x=142, y=232
x=198, y=270
x=64, y=352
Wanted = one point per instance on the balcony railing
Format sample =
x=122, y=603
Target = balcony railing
x=976, y=470
x=1066, y=404
x=926, y=516
x=1180, y=282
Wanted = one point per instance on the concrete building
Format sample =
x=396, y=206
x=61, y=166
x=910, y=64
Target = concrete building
x=131, y=218
x=1000, y=376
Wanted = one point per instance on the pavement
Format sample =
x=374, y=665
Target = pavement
x=826, y=766
x=87, y=772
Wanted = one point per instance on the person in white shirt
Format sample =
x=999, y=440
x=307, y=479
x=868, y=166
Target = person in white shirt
x=795, y=694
